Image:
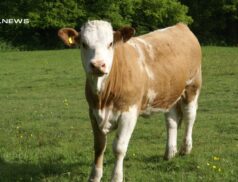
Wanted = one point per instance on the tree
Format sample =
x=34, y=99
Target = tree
x=152, y=14
x=46, y=17
x=215, y=21
x=56, y=13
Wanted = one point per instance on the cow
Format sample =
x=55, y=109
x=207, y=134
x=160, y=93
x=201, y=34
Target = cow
x=128, y=76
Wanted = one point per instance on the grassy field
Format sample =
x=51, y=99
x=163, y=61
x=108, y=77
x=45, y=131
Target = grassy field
x=45, y=133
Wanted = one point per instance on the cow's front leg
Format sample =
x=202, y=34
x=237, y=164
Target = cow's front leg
x=171, y=118
x=99, y=148
x=126, y=126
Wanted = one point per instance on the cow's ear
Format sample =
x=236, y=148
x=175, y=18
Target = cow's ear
x=69, y=36
x=124, y=34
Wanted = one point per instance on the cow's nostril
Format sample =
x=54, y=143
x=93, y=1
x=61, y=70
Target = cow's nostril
x=92, y=65
x=103, y=66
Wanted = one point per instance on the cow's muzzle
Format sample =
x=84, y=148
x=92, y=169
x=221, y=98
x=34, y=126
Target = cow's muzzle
x=98, y=68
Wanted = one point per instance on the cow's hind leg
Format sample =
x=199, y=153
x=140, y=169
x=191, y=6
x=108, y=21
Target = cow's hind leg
x=126, y=126
x=189, y=109
x=172, y=119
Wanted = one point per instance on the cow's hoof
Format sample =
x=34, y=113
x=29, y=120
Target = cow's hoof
x=185, y=149
x=170, y=152
x=117, y=179
x=94, y=180
x=96, y=174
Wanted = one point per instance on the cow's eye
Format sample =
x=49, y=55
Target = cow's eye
x=110, y=45
x=85, y=46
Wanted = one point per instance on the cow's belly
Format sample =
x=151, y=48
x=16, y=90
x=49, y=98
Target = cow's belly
x=155, y=101
x=106, y=119
x=150, y=110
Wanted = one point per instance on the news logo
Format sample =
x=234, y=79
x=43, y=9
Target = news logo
x=11, y=21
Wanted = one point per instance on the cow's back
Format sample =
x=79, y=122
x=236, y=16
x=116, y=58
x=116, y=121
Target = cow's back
x=173, y=60
x=174, y=43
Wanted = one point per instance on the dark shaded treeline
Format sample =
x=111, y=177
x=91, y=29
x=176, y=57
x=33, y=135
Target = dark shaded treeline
x=214, y=21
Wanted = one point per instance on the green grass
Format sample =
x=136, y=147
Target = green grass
x=45, y=133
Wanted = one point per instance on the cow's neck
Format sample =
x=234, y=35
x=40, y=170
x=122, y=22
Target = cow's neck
x=100, y=84
x=107, y=88
x=97, y=84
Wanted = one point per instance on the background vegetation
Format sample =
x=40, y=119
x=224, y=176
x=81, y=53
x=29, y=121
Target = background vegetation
x=214, y=21
x=45, y=132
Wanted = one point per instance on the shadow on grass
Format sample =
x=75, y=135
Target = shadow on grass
x=35, y=172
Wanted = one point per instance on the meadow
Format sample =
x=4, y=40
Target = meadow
x=45, y=132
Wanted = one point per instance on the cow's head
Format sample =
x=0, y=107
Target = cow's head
x=97, y=40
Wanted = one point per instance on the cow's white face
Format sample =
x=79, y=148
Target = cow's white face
x=96, y=41
x=96, y=44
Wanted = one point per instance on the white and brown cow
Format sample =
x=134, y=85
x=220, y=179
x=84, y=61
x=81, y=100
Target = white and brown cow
x=128, y=76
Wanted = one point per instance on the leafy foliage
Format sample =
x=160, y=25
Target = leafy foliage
x=46, y=17
x=57, y=13
x=151, y=14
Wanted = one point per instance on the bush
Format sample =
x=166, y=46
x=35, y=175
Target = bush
x=151, y=14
